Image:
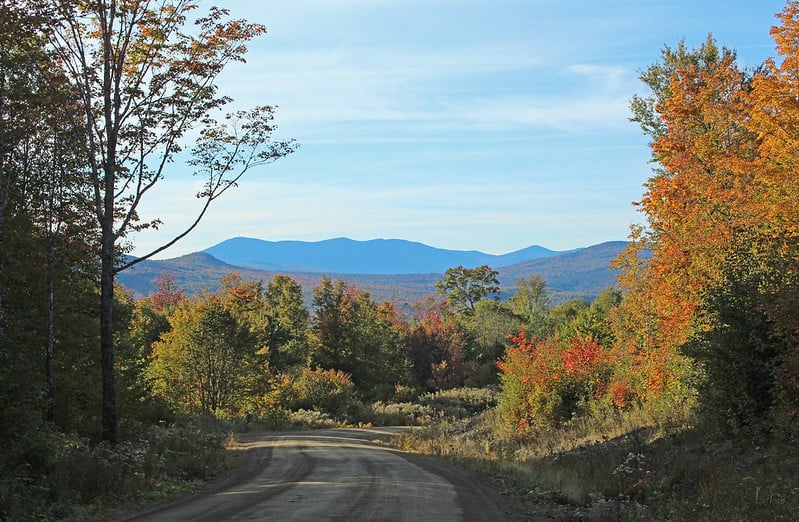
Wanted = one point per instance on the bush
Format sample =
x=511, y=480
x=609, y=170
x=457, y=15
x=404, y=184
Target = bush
x=461, y=402
x=56, y=475
x=312, y=419
x=546, y=383
x=399, y=414
x=740, y=355
x=457, y=403
x=324, y=391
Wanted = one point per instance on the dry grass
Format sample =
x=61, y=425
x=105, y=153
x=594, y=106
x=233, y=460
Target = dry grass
x=636, y=466
x=60, y=476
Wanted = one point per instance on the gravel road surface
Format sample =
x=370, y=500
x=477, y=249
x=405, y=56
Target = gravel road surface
x=336, y=475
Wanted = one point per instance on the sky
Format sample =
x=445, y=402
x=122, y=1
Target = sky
x=486, y=125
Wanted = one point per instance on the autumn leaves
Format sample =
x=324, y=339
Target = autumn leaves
x=723, y=222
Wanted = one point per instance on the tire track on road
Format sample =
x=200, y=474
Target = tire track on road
x=335, y=475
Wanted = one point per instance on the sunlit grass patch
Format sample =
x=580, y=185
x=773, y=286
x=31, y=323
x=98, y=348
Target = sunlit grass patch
x=637, y=465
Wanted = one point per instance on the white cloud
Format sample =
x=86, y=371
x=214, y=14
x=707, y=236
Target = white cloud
x=612, y=78
x=582, y=115
x=513, y=213
x=460, y=123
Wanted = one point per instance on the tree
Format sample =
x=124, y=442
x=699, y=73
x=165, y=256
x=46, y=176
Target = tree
x=134, y=343
x=144, y=82
x=208, y=361
x=697, y=196
x=288, y=321
x=464, y=287
x=530, y=302
x=17, y=72
x=594, y=322
x=720, y=284
x=658, y=77
x=354, y=334
x=435, y=352
x=332, y=305
x=379, y=344
x=485, y=333
x=167, y=293
x=774, y=117
x=45, y=257
x=695, y=203
x=740, y=352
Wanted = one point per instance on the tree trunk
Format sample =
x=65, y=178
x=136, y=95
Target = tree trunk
x=48, y=352
x=111, y=107
x=107, y=340
x=4, y=187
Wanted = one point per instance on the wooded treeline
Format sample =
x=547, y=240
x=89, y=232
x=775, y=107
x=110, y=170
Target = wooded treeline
x=710, y=313
x=97, y=99
x=232, y=353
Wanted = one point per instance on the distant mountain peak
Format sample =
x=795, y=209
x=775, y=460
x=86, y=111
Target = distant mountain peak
x=348, y=256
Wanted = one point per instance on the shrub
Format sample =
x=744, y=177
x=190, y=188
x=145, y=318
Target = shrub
x=311, y=419
x=399, y=414
x=460, y=402
x=325, y=391
x=56, y=475
x=546, y=383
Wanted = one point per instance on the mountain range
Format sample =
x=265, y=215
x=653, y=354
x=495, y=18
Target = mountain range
x=390, y=269
x=347, y=256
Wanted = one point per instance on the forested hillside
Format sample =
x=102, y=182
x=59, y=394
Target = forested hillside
x=582, y=273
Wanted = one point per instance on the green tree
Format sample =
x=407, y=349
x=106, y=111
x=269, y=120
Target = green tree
x=464, y=287
x=354, y=334
x=485, y=333
x=379, y=343
x=142, y=324
x=595, y=321
x=332, y=309
x=208, y=361
x=740, y=354
x=562, y=316
x=144, y=82
x=45, y=256
x=288, y=322
x=531, y=303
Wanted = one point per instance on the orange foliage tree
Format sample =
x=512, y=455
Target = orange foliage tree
x=714, y=274
x=697, y=198
x=435, y=352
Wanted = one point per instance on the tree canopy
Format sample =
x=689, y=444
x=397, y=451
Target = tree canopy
x=464, y=287
x=141, y=81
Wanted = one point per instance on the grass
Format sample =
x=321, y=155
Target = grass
x=639, y=465
x=633, y=466
x=56, y=476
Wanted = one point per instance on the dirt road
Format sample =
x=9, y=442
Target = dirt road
x=336, y=475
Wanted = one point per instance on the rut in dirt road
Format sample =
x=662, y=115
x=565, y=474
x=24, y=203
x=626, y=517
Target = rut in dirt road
x=335, y=475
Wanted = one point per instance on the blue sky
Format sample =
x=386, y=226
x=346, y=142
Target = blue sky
x=466, y=124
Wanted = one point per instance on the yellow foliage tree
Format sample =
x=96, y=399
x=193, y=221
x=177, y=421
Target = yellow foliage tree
x=208, y=362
